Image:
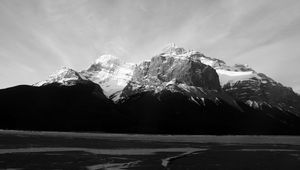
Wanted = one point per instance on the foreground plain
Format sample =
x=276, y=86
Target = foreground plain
x=63, y=150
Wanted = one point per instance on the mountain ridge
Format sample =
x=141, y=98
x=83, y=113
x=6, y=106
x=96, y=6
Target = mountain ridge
x=114, y=75
x=177, y=91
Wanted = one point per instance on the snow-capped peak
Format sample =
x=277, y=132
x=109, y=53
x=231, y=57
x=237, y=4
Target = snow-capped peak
x=172, y=49
x=108, y=60
x=110, y=72
x=169, y=46
x=65, y=76
x=65, y=71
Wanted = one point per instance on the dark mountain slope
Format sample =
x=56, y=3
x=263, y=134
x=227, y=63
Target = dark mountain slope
x=174, y=113
x=83, y=107
x=80, y=107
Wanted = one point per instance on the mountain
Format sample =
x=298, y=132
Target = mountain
x=177, y=91
x=175, y=71
x=110, y=73
x=240, y=82
x=71, y=103
x=255, y=89
x=64, y=76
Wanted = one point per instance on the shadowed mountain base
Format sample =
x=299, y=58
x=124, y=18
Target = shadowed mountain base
x=83, y=107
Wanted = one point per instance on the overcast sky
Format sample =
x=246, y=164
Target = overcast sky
x=37, y=37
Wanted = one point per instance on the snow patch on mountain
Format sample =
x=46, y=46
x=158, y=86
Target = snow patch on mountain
x=110, y=73
x=64, y=76
x=232, y=77
x=108, y=60
x=227, y=74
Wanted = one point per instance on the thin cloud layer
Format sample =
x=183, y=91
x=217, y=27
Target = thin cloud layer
x=40, y=36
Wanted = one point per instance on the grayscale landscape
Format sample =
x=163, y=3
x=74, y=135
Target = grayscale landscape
x=149, y=84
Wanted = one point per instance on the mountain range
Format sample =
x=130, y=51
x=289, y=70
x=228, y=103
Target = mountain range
x=177, y=91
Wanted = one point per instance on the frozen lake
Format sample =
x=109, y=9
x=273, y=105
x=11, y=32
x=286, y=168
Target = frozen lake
x=91, y=151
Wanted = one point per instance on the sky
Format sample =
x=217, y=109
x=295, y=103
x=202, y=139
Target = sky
x=38, y=37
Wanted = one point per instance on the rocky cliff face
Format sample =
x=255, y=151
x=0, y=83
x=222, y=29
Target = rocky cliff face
x=170, y=67
x=177, y=71
x=263, y=91
x=256, y=89
x=245, y=84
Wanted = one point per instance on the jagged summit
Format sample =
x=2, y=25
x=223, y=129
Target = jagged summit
x=65, y=72
x=179, y=53
x=65, y=76
x=173, y=49
x=243, y=67
x=110, y=72
x=169, y=47
x=227, y=73
x=106, y=61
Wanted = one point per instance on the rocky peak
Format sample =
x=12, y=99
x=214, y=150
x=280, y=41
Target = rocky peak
x=110, y=72
x=66, y=72
x=64, y=76
x=106, y=61
x=181, y=54
x=243, y=67
x=172, y=49
x=163, y=69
